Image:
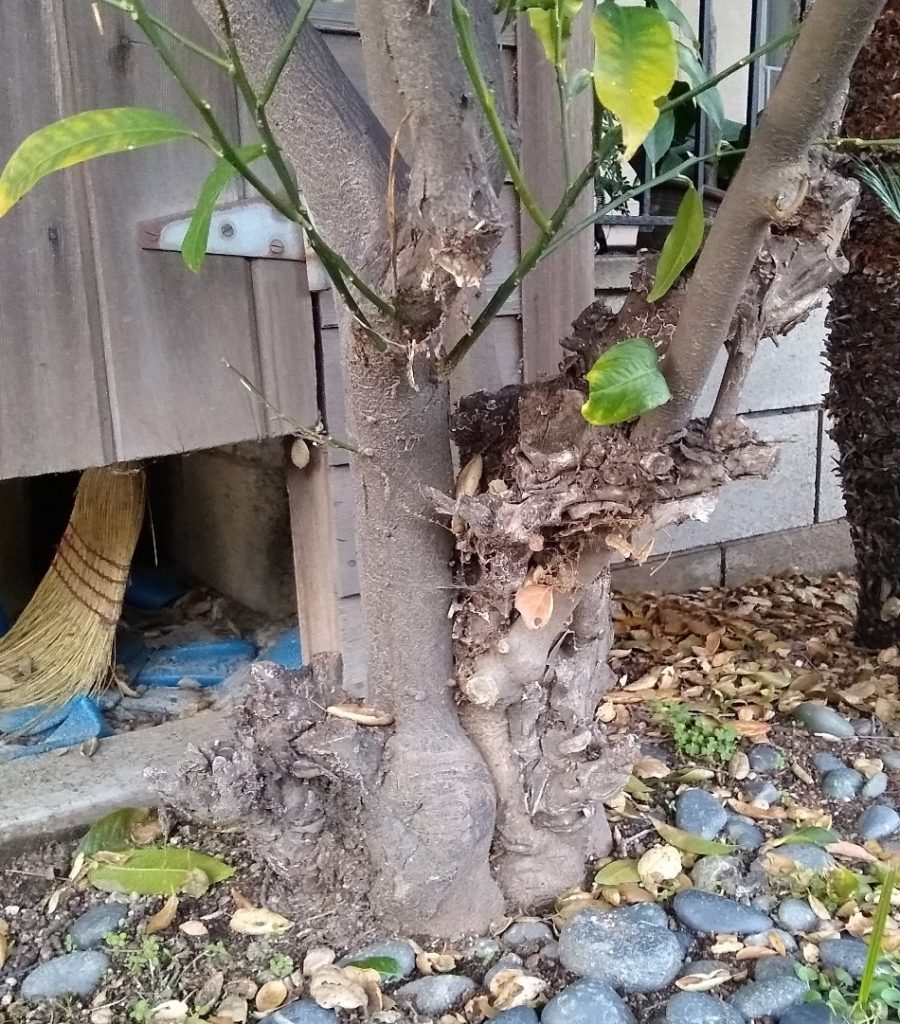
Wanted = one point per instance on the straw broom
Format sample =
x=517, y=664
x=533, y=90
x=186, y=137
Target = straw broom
x=62, y=643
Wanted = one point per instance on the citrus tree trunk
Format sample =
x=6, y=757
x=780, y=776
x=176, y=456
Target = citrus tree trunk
x=864, y=351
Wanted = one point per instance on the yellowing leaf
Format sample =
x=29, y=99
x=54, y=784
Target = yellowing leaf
x=617, y=873
x=681, y=245
x=689, y=842
x=163, y=917
x=635, y=64
x=534, y=602
x=81, y=137
x=258, y=921
x=625, y=381
x=113, y=831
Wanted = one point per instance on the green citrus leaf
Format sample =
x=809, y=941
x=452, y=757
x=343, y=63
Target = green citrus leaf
x=161, y=872
x=682, y=243
x=545, y=21
x=624, y=383
x=690, y=843
x=113, y=831
x=659, y=141
x=81, y=137
x=670, y=10
x=808, y=834
x=696, y=74
x=619, y=872
x=386, y=966
x=193, y=248
x=634, y=65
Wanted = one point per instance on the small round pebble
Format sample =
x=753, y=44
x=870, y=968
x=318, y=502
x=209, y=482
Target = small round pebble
x=764, y=790
x=765, y=758
x=827, y=762
x=744, y=832
x=526, y=937
x=846, y=953
x=843, y=784
x=769, y=998
x=305, y=1011
x=72, y=974
x=486, y=950
x=700, y=1008
x=587, y=1001
x=436, y=994
x=700, y=813
x=717, y=874
x=878, y=822
x=825, y=721
x=517, y=1015
x=621, y=950
x=94, y=925
x=797, y=916
x=769, y=967
x=708, y=914
x=891, y=759
x=875, y=787
x=864, y=727
x=395, y=949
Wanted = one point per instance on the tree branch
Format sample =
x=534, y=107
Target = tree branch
x=336, y=145
x=769, y=188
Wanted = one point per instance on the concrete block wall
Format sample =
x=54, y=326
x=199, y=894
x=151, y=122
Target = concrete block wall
x=793, y=519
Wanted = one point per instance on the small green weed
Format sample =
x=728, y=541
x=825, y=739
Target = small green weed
x=832, y=888
x=216, y=950
x=281, y=965
x=141, y=1011
x=116, y=940
x=876, y=997
x=697, y=736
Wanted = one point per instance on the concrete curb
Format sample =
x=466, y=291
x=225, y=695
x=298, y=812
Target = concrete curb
x=52, y=794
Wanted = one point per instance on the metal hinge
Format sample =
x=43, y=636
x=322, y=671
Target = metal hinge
x=248, y=228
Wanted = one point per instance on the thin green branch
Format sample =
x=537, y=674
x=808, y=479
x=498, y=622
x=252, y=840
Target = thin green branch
x=284, y=53
x=187, y=43
x=462, y=22
x=842, y=144
x=562, y=92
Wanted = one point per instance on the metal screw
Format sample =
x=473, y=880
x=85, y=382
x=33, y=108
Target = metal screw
x=226, y=230
x=276, y=247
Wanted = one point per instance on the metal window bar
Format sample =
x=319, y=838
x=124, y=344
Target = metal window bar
x=702, y=135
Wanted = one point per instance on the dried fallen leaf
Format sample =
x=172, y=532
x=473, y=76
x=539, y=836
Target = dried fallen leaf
x=370, y=980
x=651, y=768
x=163, y=917
x=196, y=929
x=241, y=900
x=739, y=766
x=359, y=714
x=316, y=957
x=209, y=993
x=760, y=813
x=102, y=1015
x=704, y=982
x=726, y=944
x=435, y=963
x=850, y=851
x=818, y=908
x=331, y=988
x=258, y=921
x=4, y=941
x=754, y=953
x=271, y=996
x=145, y=832
x=515, y=988
x=534, y=602
x=233, y=1008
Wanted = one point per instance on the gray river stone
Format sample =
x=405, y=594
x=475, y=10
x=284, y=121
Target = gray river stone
x=94, y=925
x=700, y=1008
x=875, y=787
x=846, y=953
x=743, y=832
x=708, y=914
x=765, y=759
x=72, y=974
x=820, y=719
x=807, y=855
x=797, y=916
x=700, y=813
x=843, y=784
x=769, y=998
x=616, y=948
x=825, y=762
x=587, y=1001
x=878, y=822
x=527, y=937
x=305, y=1011
x=436, y=994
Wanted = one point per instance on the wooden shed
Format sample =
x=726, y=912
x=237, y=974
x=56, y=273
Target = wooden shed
x=111, y=351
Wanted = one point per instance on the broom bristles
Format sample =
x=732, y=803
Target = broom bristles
x=62, y=644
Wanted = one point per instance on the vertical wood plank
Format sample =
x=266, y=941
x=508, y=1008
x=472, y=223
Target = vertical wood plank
x=315, y=554
x=165, y=330
x=53, y=410
x=560, y=287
